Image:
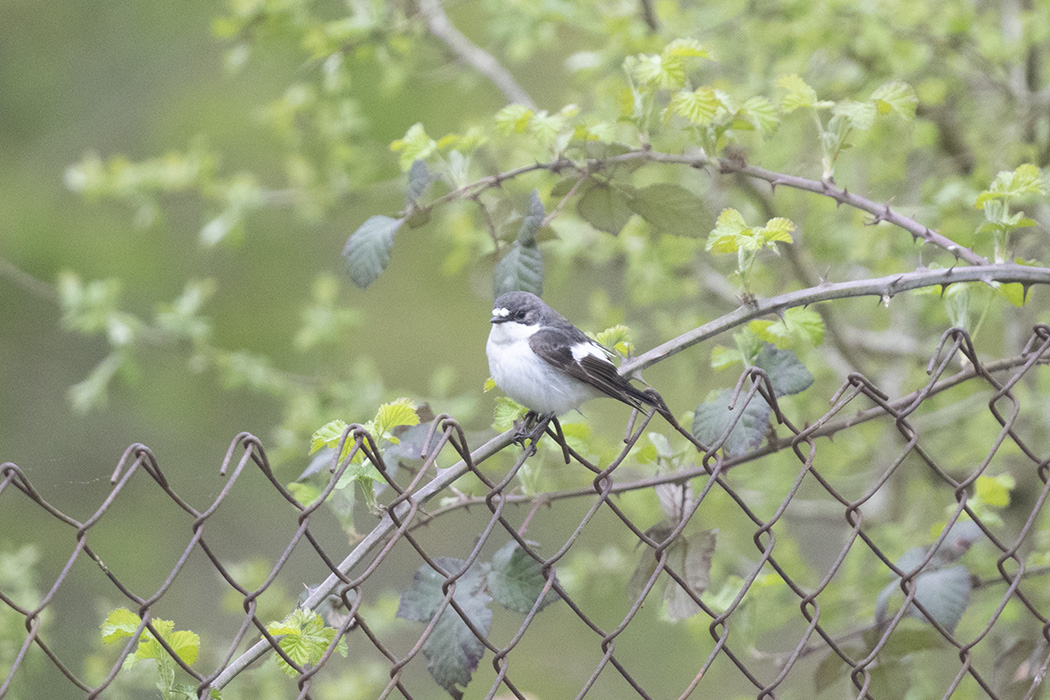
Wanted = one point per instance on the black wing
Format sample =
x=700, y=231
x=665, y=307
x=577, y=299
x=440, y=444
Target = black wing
x=554, y=344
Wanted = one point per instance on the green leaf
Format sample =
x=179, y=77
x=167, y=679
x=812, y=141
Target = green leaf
x=995, y=490
x=617, y=338
x=896, y=96
x=119, y=624
x=723, y=357
x=452, y=649
x=712, y=418
x=777, y=230
x=1026, y=179
x=419, y=180
x=606, y=207
x=786, y=373
x=367, y=251
x=667, y=70
x=668, y=207
x=945, y=594
x=797, y=324
x=910, y=637
x=513, y=119
x=730, y=229
x=306, y=493
x=761, y=113
x=327, y=435
x=698, y=106
x=685, y=48
x=516, y=579
x=186, y=644
x=520, y=269
x=414, y=145
x=531, y=222
x=390, y=415
x=861, y=115
x=798, y=94
x=305, y=639
x=507, y=412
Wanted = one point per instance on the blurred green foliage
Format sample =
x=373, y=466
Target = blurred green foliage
x=179, y=184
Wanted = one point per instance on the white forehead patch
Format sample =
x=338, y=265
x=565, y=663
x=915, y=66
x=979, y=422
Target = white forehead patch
x=502, y=312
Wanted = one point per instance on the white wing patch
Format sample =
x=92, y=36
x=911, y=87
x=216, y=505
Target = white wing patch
x=582, y=350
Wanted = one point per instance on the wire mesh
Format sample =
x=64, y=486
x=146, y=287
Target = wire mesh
x=737, y=644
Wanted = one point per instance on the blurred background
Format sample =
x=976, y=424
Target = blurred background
x=177, y=183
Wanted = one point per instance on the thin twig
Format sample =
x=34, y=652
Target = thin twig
x=28, y=282
x=882, y=287
x=879, y=212
x=439, y=25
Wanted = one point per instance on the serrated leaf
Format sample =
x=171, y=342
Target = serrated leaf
x=452, y=649
x=513, y=119
x=798, y=94
x=516, y=579
x=691, y=560
x=786, y=373
x=668, y=207
x=304, y=638
x=728, y=233
x=507, y=412
x=1026, y=179
x=414, y=145
x=419, y=180
x=390, y=415
x=327, y=435
x=798, y=323
x=520, y=269
x=605, y=207
x=531, y=223
x=861, y=115
x=119, y=624
x=896, y=96
x=698, y=106
x=367, y=251
x=777, y=230
x=186, y=644
x=685, y=48
x=712, y=418
x=761, y=113
x=616, y=338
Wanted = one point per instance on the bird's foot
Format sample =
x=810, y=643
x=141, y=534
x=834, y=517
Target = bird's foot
x=530, y=428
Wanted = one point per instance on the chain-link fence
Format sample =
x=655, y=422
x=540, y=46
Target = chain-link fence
x=814, y=585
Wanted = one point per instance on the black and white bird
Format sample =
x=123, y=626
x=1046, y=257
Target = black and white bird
x=547, y=364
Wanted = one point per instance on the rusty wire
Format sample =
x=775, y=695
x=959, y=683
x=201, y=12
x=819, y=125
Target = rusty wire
x=857, y=401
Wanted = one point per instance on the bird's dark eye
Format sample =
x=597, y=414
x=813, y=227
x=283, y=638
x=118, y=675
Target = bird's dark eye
x=519, y=314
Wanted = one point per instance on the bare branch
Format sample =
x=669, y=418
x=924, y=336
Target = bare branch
x=26, y=281
x=439, y=25
x=879, y=212
x=883, y=287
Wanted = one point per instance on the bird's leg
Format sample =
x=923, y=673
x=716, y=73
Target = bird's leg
x=560, y=437
x=532, y=427
x=523, y=428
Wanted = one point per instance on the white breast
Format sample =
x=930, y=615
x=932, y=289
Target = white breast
x=527, y=378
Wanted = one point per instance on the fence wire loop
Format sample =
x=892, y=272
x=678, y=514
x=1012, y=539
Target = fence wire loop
x=595, y=647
